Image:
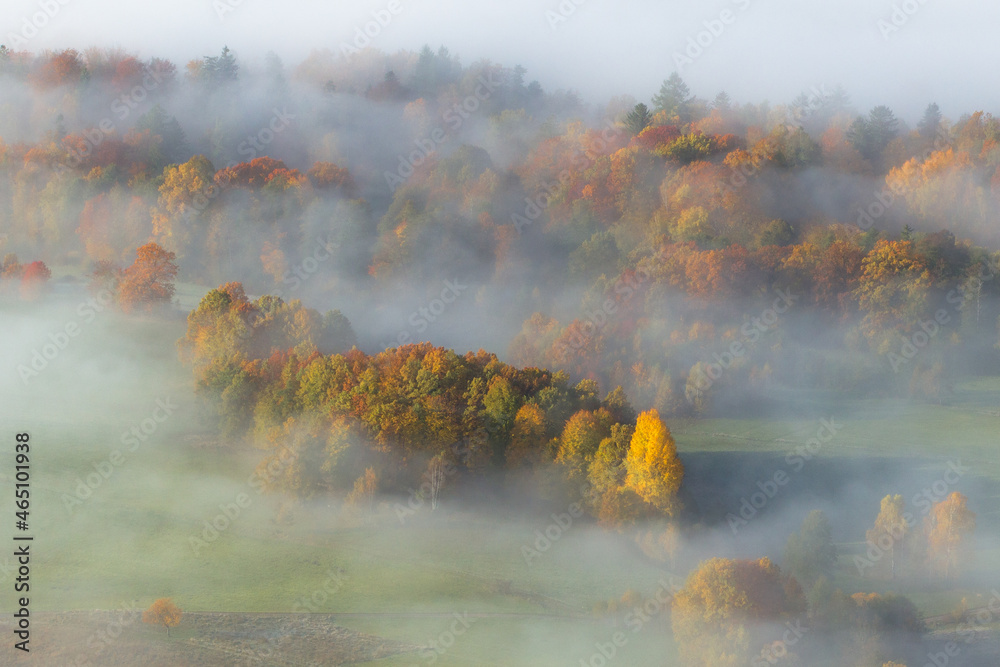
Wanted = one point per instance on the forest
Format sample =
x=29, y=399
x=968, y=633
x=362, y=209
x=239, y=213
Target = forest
x=398, y=287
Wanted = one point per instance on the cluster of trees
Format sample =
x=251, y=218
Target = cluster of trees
x=746, y=612
x=940, y=546
x=145, y=285
x=656, y=329
x=736, y=612
x=335, y=419
x=674, y=211
x=26, y=281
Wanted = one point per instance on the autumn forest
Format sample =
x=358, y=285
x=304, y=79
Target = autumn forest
x=694, y=380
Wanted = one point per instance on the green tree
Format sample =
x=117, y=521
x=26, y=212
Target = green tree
x=500, y=406
x=580, y=440
x=222, y=68
x=810, y=553
x=871, y=135
x=673, y=97
x=638, y=119
x=930, y=123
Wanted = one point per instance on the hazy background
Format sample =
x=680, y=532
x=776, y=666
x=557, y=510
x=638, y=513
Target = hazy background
x=774, y=50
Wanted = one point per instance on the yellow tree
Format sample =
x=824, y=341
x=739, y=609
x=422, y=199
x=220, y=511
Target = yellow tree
x=162, y=612
x=950, y=528
x=893, y=288
x=580, y=440
x=720, y=616
x=364, y=490
x=527, y=439
x=891, y=528
x=654, y=470
x=187, y=189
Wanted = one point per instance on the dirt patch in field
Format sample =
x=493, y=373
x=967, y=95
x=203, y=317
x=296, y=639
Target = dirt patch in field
x=113, y=639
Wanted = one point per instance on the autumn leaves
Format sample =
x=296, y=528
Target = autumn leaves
x=940, y=547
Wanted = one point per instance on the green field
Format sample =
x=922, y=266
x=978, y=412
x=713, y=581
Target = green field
x=129, y=541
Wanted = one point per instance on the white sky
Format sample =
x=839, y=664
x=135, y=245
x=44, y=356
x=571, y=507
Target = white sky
x=773, y=50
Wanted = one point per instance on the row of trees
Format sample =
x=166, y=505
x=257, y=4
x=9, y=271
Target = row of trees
x=663, y=219
x=746, y=612
x=735, y=612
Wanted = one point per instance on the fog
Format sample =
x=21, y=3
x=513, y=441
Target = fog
x=799, y=357
x=773, y=50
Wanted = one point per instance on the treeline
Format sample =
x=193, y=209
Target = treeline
x=843, y=310
x=681, y=223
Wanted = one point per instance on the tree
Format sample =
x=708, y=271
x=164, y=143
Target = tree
x=149, y=281
x=527, y=439
x=655, y=471
x=720, y=616
x=500, y=406
x=364, y=491
x=162, y=124
x=869, y=136
x=34, y=280
x=890, y=530
x=580, y=440
x=163, y=612
x=893, y=286
x=776, y=232
x=950, y=527
x=810, y=553
x=930, y=123
x=435, y=474
x=722, y=102
x=673, y=97
x=638, y=119
x=221, y=68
